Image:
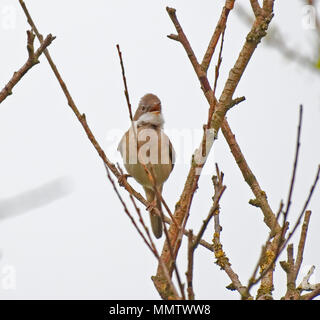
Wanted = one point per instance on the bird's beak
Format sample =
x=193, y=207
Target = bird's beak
x=156, y=109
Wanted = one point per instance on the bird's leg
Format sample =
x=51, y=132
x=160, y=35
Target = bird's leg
x=152, y=205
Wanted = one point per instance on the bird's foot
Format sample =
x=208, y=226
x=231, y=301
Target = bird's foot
x=123, y=178
x=152, y=205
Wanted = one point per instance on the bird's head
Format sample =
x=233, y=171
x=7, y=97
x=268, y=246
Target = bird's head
x=149, y=111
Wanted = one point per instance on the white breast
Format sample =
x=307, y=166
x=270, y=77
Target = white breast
x=151, y=118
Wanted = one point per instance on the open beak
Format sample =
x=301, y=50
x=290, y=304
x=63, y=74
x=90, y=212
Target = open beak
x=156, y=109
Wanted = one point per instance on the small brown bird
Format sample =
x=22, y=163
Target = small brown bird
x=145, y=145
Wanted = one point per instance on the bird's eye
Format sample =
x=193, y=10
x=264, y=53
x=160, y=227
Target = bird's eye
x=144, y=108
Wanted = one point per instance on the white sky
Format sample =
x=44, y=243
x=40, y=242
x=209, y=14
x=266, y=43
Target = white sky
x=82, y=246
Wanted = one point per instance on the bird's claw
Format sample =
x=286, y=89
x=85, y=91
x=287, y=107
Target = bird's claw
x=123, y=178
x=152, y=205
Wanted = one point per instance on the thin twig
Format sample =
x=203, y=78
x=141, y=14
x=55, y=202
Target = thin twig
x=126, y=92
x=305, y=206
x=189, y=272
x=219, y=190
x=272, y=249
x=217, y=69
x=286, y=212
x=222, y=259
x=223, y=262
x=302, y=241
x=171, y=252
x=221, y=25
x=193, y=244
x=126, y=210
x=292, y=268
x=202, y=242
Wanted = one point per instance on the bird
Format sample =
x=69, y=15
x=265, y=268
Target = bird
x=148, y=154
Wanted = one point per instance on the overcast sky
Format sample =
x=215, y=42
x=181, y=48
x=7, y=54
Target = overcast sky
x=63, y=233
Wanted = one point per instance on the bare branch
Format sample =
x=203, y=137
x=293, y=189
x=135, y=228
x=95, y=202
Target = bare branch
x=279, y=42
x=253, y=280
x=222, y=259
x=267, y=6
x=194, y=242
x=253, y=38
x=32, y=61
x=260, y=195
x=171, y=252
x=202, y=242
x=182, y=209
x=305, y=285
x=189, y=272
x=288, y=266
x=313, y=294
x=181, y=37
x=256, y=7
x=278, y=243
x=302, y=241
x=229, y=4
x=223, y=262
x=150, y=244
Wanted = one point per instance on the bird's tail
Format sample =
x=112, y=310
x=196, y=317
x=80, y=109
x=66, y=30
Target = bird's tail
x=155, y=219
x=156, y=222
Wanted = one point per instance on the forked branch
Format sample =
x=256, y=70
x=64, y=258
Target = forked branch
x=33, y=59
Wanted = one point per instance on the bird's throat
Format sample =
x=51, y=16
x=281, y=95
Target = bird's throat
x=151, y=118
